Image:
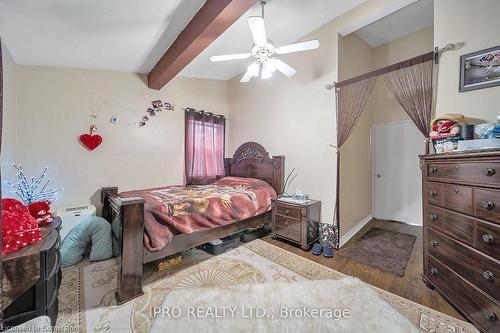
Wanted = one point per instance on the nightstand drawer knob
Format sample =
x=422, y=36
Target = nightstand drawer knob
x=433, y=193
x=287, y=211
x=434, y=170
x=434, y=217
x=434, y=271
x=434, y=243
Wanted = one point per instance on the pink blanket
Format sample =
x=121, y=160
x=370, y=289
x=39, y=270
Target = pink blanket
x=186, y=209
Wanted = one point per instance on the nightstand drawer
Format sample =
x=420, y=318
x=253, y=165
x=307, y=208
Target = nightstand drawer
x=287, y=227
x=289, y=211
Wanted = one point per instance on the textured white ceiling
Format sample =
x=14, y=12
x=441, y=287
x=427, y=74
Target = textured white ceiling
x=131, y=35
x=286, y=21
x=122, y=35
x=412, y=18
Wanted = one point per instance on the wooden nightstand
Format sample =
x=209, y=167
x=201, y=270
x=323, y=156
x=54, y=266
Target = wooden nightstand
x=297, y=223
x=39, y=297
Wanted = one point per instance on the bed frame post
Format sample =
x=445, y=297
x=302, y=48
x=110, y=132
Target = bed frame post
x=130, y=212
x=131, y=245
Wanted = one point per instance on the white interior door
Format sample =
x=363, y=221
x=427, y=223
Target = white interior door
x=397, y=184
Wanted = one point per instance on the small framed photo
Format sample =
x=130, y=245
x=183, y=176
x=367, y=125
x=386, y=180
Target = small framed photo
x=157, y=104
x=480, y=69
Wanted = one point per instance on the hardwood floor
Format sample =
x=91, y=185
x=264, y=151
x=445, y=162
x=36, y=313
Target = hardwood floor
x=409, y=286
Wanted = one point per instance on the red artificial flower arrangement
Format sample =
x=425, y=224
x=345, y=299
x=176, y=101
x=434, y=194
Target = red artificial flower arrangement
x=19, y=228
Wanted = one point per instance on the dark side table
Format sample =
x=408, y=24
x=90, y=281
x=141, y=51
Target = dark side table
x=33, y=288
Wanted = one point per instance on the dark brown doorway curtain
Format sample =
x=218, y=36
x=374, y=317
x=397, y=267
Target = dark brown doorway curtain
x=412, y=84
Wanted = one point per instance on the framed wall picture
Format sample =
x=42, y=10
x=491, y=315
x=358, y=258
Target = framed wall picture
x=480, y=69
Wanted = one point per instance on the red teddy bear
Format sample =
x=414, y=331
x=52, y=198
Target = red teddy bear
x=40, y=210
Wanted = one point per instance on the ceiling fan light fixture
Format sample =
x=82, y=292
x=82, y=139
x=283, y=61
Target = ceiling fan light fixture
x=264, y=52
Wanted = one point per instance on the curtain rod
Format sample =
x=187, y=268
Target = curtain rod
x=403, y=64
x=205, y=112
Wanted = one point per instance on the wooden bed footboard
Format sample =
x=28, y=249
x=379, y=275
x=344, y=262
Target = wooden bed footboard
x=129, y=213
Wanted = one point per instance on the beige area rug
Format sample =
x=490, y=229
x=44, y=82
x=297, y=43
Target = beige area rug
x=87, y=302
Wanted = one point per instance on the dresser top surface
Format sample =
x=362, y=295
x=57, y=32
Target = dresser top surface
x=463, y=154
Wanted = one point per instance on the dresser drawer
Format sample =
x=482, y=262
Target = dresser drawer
x=458, y=198
x=434, y=193
x=287, y=227
x=487, y=204
x=293, y=212
x=488, y=239
x=480, y=308
x=467, y=172
x=459, y=226
x=434, y=216
x=481, y=270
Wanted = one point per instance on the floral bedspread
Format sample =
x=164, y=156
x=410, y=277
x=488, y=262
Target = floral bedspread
x=186, y=209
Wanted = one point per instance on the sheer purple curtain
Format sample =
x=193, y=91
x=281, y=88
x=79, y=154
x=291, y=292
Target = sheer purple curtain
x=204, y=147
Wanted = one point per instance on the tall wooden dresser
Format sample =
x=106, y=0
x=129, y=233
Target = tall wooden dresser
x=461, y=212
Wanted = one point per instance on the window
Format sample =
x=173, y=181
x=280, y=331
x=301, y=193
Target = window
x=204, y=147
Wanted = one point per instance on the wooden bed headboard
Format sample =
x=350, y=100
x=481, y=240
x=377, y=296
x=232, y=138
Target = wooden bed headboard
x=251, y=160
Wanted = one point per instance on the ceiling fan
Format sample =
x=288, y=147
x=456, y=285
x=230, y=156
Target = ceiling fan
x=264, y=52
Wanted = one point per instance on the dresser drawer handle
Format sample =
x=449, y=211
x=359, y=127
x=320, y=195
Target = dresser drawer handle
x=487, y=238
x=434, y=170
x=433, y=194
x=287, y=211
x=434, y=271
x=434, y=243
x=286, y=223
x=488, y=172
x=434, y=217
x=490, y=316
x=457, y=190
x=488, y=276
x=489, y=205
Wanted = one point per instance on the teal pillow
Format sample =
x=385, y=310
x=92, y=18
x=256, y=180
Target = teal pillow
x=94, y=230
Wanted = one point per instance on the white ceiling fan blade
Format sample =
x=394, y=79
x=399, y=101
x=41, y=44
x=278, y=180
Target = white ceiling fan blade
x=297, y=47
x=258, y=30
x=283, y=67
x=226, y=57
x=253, y=70
x=247, y=76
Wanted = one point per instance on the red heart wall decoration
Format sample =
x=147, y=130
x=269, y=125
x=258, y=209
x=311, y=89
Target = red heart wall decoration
x=89, y=141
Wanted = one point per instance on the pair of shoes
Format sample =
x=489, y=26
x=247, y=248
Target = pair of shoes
x=327, y=250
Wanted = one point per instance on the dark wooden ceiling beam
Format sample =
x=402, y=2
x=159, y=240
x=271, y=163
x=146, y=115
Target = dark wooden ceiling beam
x=213, y=18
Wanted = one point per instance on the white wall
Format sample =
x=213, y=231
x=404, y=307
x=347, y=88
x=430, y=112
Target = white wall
x=9, y=119
x=355, y=58
x=53, y=109
x=295, y=116
x=477, y=24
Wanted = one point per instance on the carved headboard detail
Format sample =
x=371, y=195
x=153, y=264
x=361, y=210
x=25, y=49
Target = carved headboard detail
x=251, y=160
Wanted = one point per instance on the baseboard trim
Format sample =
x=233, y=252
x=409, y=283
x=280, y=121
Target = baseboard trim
x=350, y=234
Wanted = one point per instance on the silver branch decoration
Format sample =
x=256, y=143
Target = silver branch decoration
x=29, y=191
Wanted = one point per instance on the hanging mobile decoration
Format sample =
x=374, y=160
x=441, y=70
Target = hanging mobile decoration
x=90, y=141
x=28, y=190
x=168, y=106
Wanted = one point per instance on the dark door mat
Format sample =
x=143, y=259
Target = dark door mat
x=386, y=250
